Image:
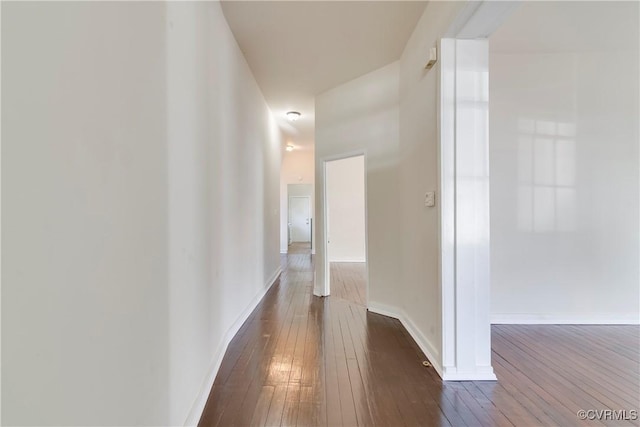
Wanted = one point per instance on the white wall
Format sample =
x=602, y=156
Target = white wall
x=391, y=114
x=224, y=162
x=564, y=181
x=297, y=168
x=140, y=211
x=362, y=115
x=85, y=215
x=345, y=210
x=418, y=173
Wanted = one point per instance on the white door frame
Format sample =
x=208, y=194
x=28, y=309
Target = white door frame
x=463, y=120
x=289, y=213
x=323, y=287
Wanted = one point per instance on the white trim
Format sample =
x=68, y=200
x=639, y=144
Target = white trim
x=342, y=156
x=423, y=342
x=383, y=309
x=201, y=399
x=565, y=319
x=366, y=227
x=425, y=345
x=324, y=289
x=481, y=373
x=447, y=206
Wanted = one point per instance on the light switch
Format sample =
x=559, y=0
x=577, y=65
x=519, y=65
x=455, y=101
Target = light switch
x=430, y=199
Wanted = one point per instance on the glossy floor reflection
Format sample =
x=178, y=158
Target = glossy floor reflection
x=307, y=361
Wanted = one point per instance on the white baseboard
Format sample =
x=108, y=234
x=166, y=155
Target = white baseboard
x=383, y=309
x=198, y=405
x=313, y=252
x=348, y=260
x=481, y=374
x=447, y=374
x=565, y=319
x=425, y=345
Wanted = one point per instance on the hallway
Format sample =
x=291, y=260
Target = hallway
x=303, y=360
x=150, y=152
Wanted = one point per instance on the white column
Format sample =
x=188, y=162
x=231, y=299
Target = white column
x=464, y=170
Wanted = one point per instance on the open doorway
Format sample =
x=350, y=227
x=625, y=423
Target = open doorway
x=346, y=231
x=299, y=218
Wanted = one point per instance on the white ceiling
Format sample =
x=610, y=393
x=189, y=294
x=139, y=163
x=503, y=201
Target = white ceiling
x=298, y=49
x=569, y=26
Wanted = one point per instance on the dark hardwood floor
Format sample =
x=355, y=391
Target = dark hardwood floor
x=307, y=361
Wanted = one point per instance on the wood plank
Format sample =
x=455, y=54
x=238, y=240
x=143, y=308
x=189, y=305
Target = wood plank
x=308, y=361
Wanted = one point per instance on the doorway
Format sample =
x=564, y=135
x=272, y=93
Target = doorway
x=345, y=221
x=299, y=218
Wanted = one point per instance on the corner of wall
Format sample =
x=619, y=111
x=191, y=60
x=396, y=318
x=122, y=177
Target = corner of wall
x=428, y=348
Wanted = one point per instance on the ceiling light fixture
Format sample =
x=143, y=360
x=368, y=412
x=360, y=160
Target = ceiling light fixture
x=293, y=115
x=289, y=147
